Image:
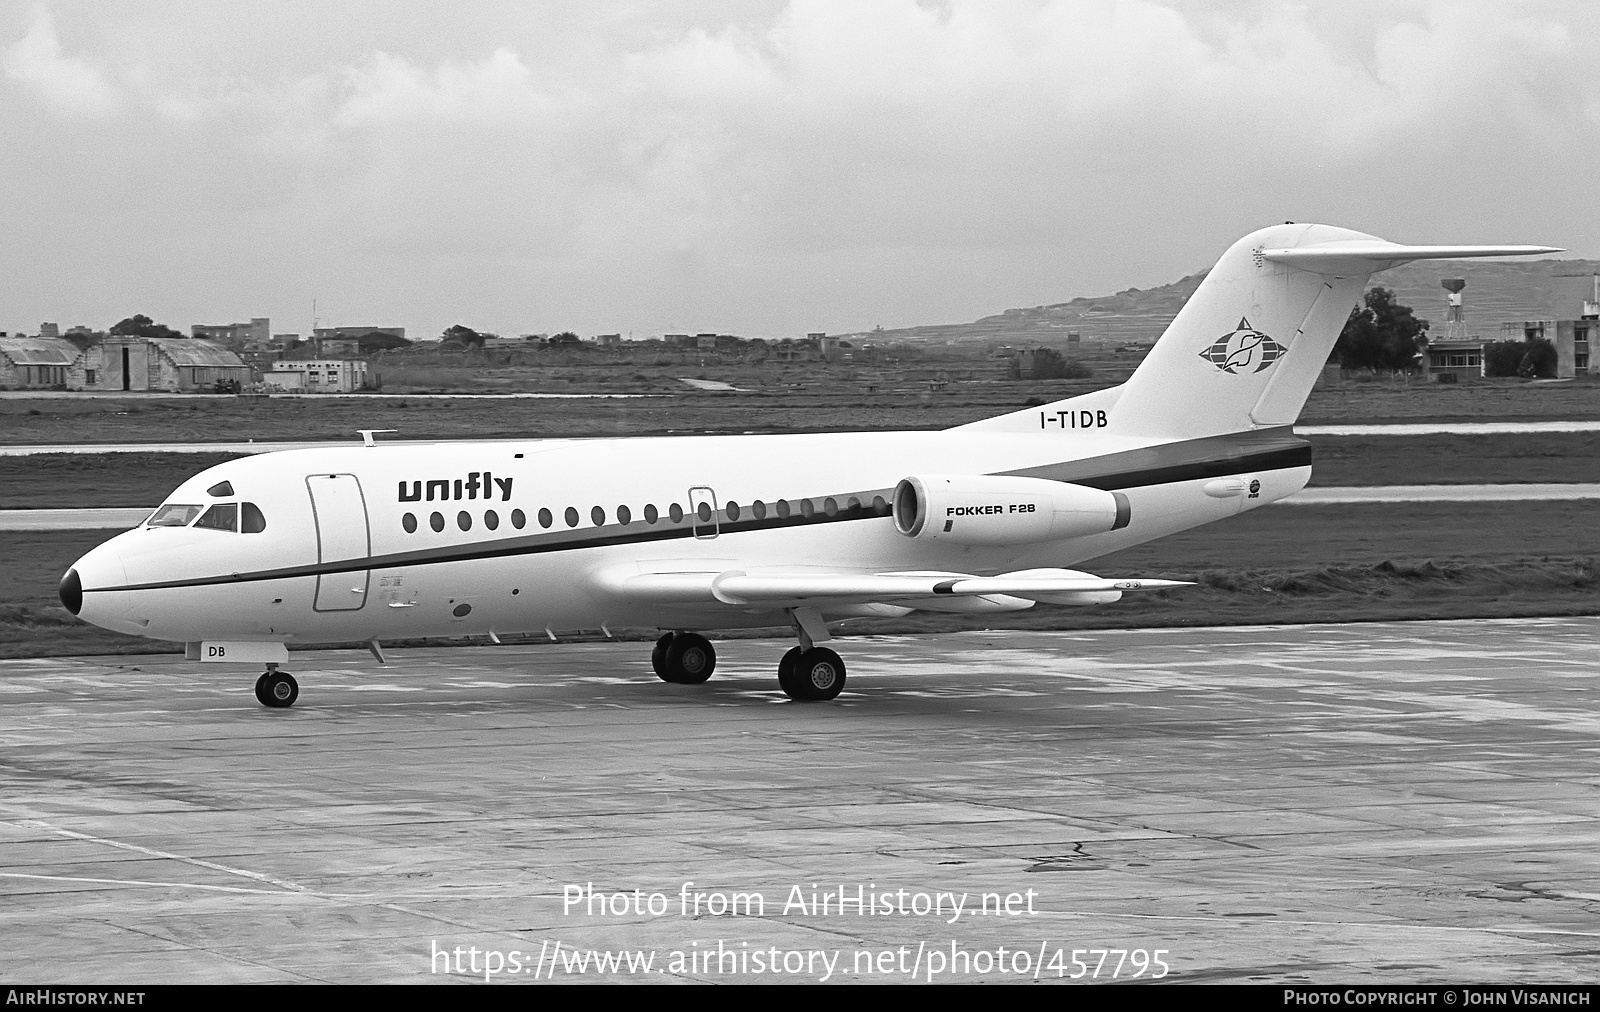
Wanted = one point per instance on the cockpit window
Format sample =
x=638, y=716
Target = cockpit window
x=220, y=489
x=224, y=516
x=174, y=516
x=254, y=521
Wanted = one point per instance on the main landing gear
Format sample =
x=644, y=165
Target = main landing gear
x=811, y=674
x=683, y=658
x=277, y=689
x=807, y=672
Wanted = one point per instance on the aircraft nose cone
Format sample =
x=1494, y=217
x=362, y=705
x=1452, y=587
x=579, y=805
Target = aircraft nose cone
x=71, y=592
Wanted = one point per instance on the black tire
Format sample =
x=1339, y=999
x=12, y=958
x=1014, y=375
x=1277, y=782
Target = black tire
x=786, y=673
x=279, y=690
x=261, y=688
x=819, y=674
x=690, y=659
x=658, y=656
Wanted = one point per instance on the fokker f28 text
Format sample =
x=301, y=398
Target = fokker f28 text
x=692, y=534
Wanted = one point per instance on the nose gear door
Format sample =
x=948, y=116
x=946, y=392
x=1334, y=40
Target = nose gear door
x=340, y=511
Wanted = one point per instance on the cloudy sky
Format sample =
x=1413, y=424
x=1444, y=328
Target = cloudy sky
x=763, y=168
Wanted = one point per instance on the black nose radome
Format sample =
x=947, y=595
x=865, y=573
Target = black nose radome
x=71, y=591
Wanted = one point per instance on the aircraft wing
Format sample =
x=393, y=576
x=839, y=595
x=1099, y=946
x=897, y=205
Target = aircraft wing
x=781, y=590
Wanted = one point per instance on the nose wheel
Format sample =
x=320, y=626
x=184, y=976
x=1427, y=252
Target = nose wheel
x=277, y=689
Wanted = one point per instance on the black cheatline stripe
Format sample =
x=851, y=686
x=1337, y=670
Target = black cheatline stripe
x=1287, y=451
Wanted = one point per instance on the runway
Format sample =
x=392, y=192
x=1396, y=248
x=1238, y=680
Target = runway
x=1410, y=802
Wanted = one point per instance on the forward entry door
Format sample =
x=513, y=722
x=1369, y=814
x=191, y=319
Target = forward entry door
x=342, y=536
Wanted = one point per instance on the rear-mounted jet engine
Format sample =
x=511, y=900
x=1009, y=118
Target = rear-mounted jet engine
x=1000, y=510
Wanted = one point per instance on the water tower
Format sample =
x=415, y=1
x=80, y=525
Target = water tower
x=1455, y=317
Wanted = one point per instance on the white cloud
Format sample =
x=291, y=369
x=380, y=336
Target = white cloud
x=943, y=156
x=68, y=86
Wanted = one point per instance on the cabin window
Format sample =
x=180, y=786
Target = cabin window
x=174, y=516
x=650, y=514
x=519, y=519
x=253, y=521
x=704, y=513
x=624, y=515
x=464, y=520
x=224, y=516
x=806, y=509
x=759, y=508
x=572, y=516
x=409, y=522
x=733, y=510
x=491, y=520
x=545, y=519
x=676, y=513
x=829, y=506
x=598, y=515
x=783, y=507
x=436, y=521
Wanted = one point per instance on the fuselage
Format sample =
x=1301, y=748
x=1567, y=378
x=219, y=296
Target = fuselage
x=472, y=538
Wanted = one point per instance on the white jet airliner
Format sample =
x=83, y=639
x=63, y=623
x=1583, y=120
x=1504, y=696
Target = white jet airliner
x=375, y=542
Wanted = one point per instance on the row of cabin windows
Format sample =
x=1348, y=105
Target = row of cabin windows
x=703, y=513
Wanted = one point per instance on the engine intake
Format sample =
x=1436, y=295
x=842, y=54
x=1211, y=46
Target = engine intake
x=998, y=510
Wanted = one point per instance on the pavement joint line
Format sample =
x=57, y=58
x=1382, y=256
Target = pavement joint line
x=138, y=882
x=152, y=852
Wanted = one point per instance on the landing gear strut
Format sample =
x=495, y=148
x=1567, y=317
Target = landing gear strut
x=277, y=689
x=809, y=672
x=683, y=658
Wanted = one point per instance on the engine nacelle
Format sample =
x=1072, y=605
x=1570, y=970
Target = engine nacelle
x=966, y=509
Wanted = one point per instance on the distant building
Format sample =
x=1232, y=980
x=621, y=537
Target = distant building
x=235, y=335
x=345, y=342
x=608, y=340
x=1572, y=338
x=49, y=330
x=40, y=363
x=322, y=376
x=172, y=364
x=1463, y=356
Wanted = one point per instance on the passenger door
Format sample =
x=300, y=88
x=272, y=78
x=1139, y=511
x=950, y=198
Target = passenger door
x=340, y=512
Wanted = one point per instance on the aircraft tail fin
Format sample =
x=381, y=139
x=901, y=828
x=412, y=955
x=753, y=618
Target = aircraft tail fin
x=1247, y=347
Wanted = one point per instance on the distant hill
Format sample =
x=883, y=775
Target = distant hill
x=1495, y=293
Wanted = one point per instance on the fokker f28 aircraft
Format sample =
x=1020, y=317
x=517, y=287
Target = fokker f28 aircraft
x=374, y=542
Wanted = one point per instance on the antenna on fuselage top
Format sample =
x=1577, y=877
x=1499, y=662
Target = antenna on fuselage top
x=367, y=434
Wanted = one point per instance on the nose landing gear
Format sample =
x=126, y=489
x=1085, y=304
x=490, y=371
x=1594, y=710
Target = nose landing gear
x=277, y=689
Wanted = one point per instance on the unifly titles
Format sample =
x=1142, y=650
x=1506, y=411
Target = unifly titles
x=463, y=488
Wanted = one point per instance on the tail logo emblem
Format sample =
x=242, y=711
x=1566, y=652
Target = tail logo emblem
x=1244, y=350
